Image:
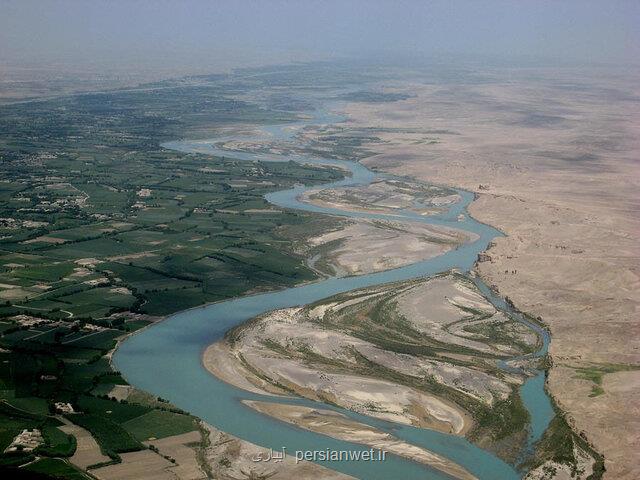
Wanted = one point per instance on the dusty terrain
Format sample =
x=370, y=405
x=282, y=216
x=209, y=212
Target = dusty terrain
x=142, y=465
x=182, y=448
x=553, y=155
x=87, y=451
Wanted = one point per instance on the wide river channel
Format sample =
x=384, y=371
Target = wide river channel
x=165, y=359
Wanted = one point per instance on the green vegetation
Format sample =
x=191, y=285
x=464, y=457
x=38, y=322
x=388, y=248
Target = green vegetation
x=558, y=444
x=13, y=421
x=504, y=420
x=159, y=424
x=56, y=468
x=99, y=219
x=505, y=333
x=102, y=230
x=595, y=373
x=57, y=443
x=113, y=439
x=118, y=412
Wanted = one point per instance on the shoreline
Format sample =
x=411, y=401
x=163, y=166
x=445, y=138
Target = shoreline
x=569, y=258
x=336, y=425
x=204, y=349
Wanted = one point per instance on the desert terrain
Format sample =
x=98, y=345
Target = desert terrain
x=553, y=157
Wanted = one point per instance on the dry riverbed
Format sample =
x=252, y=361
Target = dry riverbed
x=385, y=196
x=359, y=246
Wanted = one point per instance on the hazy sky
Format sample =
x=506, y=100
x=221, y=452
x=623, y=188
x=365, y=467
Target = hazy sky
x=217, y=33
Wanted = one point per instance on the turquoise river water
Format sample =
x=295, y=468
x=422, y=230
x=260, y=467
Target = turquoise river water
x=165, y=359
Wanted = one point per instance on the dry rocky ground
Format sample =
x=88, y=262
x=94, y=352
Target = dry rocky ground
x=553, y=155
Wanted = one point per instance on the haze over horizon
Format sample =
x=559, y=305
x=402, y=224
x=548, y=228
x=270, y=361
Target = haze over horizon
x=251, y=239
x=214, y=36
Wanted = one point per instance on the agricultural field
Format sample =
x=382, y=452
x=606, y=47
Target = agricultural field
x=103, y=232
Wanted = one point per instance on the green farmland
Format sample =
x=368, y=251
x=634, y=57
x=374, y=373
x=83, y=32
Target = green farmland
x=102, y=232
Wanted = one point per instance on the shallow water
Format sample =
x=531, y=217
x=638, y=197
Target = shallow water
x=165, y=359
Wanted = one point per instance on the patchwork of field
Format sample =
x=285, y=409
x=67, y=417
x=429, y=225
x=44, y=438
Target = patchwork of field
x=167, y=250
x=63, y=390
x=173, y=457
x=103, y=232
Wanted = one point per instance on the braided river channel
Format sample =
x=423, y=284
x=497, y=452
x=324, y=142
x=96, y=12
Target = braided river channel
x=165, y=359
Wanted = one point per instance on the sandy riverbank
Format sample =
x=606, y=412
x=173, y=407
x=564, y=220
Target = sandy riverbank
x=420, y=352
x=232, y=458
x=341, y=427
x=357, y=246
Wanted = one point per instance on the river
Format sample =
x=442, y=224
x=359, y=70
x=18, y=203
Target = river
x=165, y=359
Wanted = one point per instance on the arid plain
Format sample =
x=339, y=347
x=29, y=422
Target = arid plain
x=553, y=156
